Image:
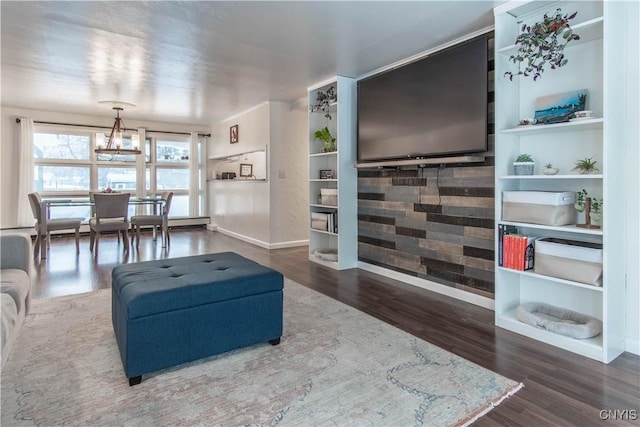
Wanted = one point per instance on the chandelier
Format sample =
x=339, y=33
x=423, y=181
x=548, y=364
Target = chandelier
x=114, y=143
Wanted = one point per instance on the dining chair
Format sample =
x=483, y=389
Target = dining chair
x=111, y=214
x=155, y=221
x=45, y=226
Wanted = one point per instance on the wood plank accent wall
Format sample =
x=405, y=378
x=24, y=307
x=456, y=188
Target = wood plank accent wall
x=435, y=223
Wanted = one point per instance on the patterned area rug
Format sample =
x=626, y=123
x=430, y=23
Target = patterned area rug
x=334, y=366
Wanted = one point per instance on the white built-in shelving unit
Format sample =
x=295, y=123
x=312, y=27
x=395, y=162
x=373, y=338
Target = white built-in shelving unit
x=590, y=66
x=342, y=127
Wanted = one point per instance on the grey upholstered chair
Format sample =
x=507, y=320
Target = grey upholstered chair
x=155, y=221
x=44, y=228
x=111, y=214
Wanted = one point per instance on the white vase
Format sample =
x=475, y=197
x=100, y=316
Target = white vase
x=581, y=217
x=596, y=218
x=550, y=171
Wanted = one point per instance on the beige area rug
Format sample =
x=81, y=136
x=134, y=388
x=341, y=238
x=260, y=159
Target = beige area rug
x=335, y=366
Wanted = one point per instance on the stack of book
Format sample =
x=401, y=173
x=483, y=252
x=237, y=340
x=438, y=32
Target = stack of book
x=325, y=221
x=515, y=250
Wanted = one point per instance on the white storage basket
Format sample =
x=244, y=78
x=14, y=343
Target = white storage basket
x=569, y=259
x=539, y=207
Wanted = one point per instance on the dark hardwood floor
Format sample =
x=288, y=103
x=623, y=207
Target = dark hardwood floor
x=561, y=388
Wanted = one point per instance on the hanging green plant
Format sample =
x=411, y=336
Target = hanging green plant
x=543, y=44
x=324, y=101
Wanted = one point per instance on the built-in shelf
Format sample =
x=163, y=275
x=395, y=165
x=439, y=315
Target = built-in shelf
x=330, y=153
x=563, y=228
x=572, y=126
x=591, y=347
x=317, y=205
x=323, y=231
x=553, y=279
x=588, y=31
x=323, y=180
x=546, y=177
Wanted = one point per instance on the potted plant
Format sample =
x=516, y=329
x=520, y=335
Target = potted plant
x=324, y=101
x=523, y=165
x=586, y=165
x=595, y=215
x=543, y=44
x=549, y=169
x=581, y=198
x=325, y=136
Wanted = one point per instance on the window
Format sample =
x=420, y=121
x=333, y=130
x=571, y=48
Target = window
x=117, y=178
x=65, y=165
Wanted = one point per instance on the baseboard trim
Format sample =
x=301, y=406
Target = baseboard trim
x=430, y=286
x=632, y=346
x=260, y=243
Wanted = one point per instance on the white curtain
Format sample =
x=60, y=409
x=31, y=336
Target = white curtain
x=25, y=171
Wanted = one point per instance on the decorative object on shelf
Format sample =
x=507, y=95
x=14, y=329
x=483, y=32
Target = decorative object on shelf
x=324, y=101
x=582, y=115
x=581, y=199
x=114, y=145
x=586, y=165
x=325, y=136
x=586, y=218
x=523, y=165
x=527, y=122
x=560, y=107
x=559, y=320
x=246, y=170
x=234, y=134
x=549, y=169
x=326, y=174
x=542, y=44
x=595, y=214
x=329, y=196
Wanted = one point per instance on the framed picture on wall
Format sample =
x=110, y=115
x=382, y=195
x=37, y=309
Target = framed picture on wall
x=246, y=169
x=233, y=134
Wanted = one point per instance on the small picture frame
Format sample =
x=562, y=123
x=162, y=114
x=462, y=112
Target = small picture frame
x=326, y=174
x=234, y=134
x=246, y=169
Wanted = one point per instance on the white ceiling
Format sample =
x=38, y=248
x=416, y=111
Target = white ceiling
x=201, y=62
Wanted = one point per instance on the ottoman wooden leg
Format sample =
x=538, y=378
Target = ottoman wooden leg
x=135, y=380
x=274, y=342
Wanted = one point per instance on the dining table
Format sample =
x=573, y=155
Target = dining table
x=158, y=205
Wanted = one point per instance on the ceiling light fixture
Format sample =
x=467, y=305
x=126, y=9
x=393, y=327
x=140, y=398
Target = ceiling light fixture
x=114, y=143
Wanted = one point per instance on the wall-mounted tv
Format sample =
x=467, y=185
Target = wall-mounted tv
x=435, y=106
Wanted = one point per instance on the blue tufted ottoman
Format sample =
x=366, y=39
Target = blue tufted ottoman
x=172, y=311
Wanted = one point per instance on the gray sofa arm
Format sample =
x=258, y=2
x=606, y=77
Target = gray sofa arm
x=15, y=252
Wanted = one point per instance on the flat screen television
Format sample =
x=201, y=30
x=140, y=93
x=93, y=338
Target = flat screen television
x=435, y=106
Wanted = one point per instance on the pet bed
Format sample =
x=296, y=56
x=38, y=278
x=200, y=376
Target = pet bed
x=559, y=320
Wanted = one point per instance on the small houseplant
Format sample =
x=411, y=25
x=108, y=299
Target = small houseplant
x=586, y=165
x=542, y=44
x=549, y=169
x=595, y=215
x=324, y=101
x=581, y=199
x=523, y=165
x=325, y=136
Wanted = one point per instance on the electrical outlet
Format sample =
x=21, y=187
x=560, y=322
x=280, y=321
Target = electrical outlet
x=282, y=174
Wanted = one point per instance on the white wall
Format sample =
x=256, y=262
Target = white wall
x=241, y=207
x=289, y=174
x=633, y=184
x=270, y=214
x=9, y=147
